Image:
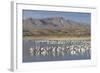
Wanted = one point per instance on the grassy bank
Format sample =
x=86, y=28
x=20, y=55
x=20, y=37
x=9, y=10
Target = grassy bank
x=56, y=38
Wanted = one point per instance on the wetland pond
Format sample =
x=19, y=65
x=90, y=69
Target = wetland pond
x=55, y=50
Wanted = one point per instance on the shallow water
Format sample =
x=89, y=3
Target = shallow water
x=31, y=57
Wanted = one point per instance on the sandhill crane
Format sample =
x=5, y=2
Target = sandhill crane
x=43, y=51
x=72, y=47
x=54, y=51
x=31, y=51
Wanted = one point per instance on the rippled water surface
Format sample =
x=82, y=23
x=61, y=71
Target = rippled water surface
x=55, y=50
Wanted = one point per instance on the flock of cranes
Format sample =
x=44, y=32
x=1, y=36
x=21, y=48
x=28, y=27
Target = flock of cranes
x=70, y=47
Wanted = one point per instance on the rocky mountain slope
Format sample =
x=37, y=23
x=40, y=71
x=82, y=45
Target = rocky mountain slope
x=54, y=26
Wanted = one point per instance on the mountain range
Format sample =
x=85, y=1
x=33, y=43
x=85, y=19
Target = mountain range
x=54, y=26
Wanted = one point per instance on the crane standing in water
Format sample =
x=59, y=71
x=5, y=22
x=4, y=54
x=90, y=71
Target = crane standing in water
x=61, y=49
